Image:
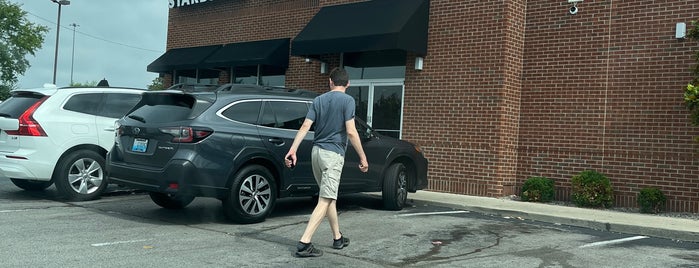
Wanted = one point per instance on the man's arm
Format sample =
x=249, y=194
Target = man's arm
x=353, y=136
x=290, y=158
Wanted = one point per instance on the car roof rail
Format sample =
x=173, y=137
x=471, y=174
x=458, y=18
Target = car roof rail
x=184, y=87
x=247, y=88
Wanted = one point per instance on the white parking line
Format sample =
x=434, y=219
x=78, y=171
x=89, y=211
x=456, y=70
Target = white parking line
x=611, y=242
x=117, y=242
x=432, y=213
x=16, y=210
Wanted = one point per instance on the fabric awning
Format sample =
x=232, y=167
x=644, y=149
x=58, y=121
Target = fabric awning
x=266, y=52
x=273, y=52
x=366, y=26
x=181, y=59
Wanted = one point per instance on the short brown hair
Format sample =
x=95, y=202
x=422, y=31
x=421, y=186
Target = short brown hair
x=339, y=77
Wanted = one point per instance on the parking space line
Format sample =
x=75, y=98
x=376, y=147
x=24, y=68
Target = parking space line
x=15, y=210
x=432, y=213
x=117, y=242
x=611, y=242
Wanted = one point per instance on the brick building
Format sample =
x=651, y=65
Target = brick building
x=494, y=91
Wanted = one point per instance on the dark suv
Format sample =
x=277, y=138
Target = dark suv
x=229, y=144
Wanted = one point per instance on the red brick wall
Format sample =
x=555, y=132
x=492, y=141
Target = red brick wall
x=603, y=91
x=514, y=89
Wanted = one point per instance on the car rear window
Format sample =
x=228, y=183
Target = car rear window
x=17, y=104
x=161, y=108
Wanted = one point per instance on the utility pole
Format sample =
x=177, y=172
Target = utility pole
x=72, y=57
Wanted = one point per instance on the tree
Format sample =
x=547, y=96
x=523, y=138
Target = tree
x=157, y=84
x=18, y=37
x=86, y=84
x=691, y=92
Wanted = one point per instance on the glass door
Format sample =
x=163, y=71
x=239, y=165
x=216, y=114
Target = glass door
x=379, y=104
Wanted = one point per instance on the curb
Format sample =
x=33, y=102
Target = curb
x=622, y=222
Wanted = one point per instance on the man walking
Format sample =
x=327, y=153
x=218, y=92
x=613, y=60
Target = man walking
x=333, y=114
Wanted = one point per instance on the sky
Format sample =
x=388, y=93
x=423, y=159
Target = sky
x=115, y=40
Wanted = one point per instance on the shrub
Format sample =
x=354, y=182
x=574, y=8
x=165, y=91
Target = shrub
x=651, y=200
x=591, y=189
x=538, y=189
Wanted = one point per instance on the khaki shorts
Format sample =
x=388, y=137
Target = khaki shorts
x=327, y=168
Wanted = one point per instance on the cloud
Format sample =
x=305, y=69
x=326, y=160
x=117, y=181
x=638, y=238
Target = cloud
x=116, y=40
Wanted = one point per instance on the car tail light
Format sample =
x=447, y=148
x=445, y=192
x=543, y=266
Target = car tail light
x=186, y=134
x=28, y=126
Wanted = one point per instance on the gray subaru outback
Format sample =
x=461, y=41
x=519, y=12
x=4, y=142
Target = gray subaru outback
x=229, y=144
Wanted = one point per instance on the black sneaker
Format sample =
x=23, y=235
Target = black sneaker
x=340, y=243
x=309, y=250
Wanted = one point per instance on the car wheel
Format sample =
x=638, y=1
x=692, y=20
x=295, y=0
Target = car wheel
x=252, y=197
x=171, y=201
x=32, y=185
x=80, y=175
x=395, y=187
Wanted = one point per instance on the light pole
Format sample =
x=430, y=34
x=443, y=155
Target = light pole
x=72, y=56
x=58, y=30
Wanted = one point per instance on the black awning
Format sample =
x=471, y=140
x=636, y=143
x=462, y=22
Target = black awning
x=181, y=59
x=267, y=52
x=366, y=26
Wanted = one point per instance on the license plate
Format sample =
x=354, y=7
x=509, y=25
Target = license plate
x=139, y=145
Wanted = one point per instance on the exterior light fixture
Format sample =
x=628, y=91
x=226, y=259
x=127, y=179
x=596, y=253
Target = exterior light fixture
x=58, y=30
x=418, y=63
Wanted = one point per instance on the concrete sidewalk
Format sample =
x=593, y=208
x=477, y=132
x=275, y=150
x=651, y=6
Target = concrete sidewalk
x=613, y=221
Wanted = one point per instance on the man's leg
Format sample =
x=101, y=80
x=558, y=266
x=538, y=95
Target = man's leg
x=333, y=220
x=316, y=217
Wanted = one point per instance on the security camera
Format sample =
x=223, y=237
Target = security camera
x=573, y=10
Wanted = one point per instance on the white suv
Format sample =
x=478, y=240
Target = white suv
x=60, y=136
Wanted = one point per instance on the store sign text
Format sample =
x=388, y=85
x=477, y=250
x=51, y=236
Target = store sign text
x=181, y=3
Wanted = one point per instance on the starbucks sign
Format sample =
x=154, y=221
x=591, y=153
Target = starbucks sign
x=181, y=3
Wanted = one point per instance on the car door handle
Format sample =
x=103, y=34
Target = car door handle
x=276, y=141
x=109, y=129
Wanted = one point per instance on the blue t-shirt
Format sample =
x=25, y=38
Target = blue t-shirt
x=329, y=112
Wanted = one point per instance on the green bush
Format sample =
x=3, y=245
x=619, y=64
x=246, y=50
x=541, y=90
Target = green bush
x=591, y=189
x=538, y=189
x=651, y=200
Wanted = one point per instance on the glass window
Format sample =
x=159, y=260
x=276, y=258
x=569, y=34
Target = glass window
x=88, y=103
x=290, y=115
x=361, y=100
x=375, y=72
x=284, y=114
x=17, y=104
x=161, y=108
x=118, y=104
x=268, y=119
x=246, y=112
x=269, y=76
x=197, y=77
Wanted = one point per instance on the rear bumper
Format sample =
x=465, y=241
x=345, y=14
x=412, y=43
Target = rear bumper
x=25, y=167
x=178, y=177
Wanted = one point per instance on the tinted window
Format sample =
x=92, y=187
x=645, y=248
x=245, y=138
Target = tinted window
x=87, y=103
x=246, y=112
x=268, y=118
x=118, y=104
x=160, y=108
x=289, y=115
x=17, y=104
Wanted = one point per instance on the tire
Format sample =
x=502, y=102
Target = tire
x=80, y=175
x=32, y=185
x=170, y=201
x=395, y=187
x=252, y=197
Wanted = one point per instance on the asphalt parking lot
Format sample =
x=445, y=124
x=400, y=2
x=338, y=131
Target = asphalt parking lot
x=125, y=229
